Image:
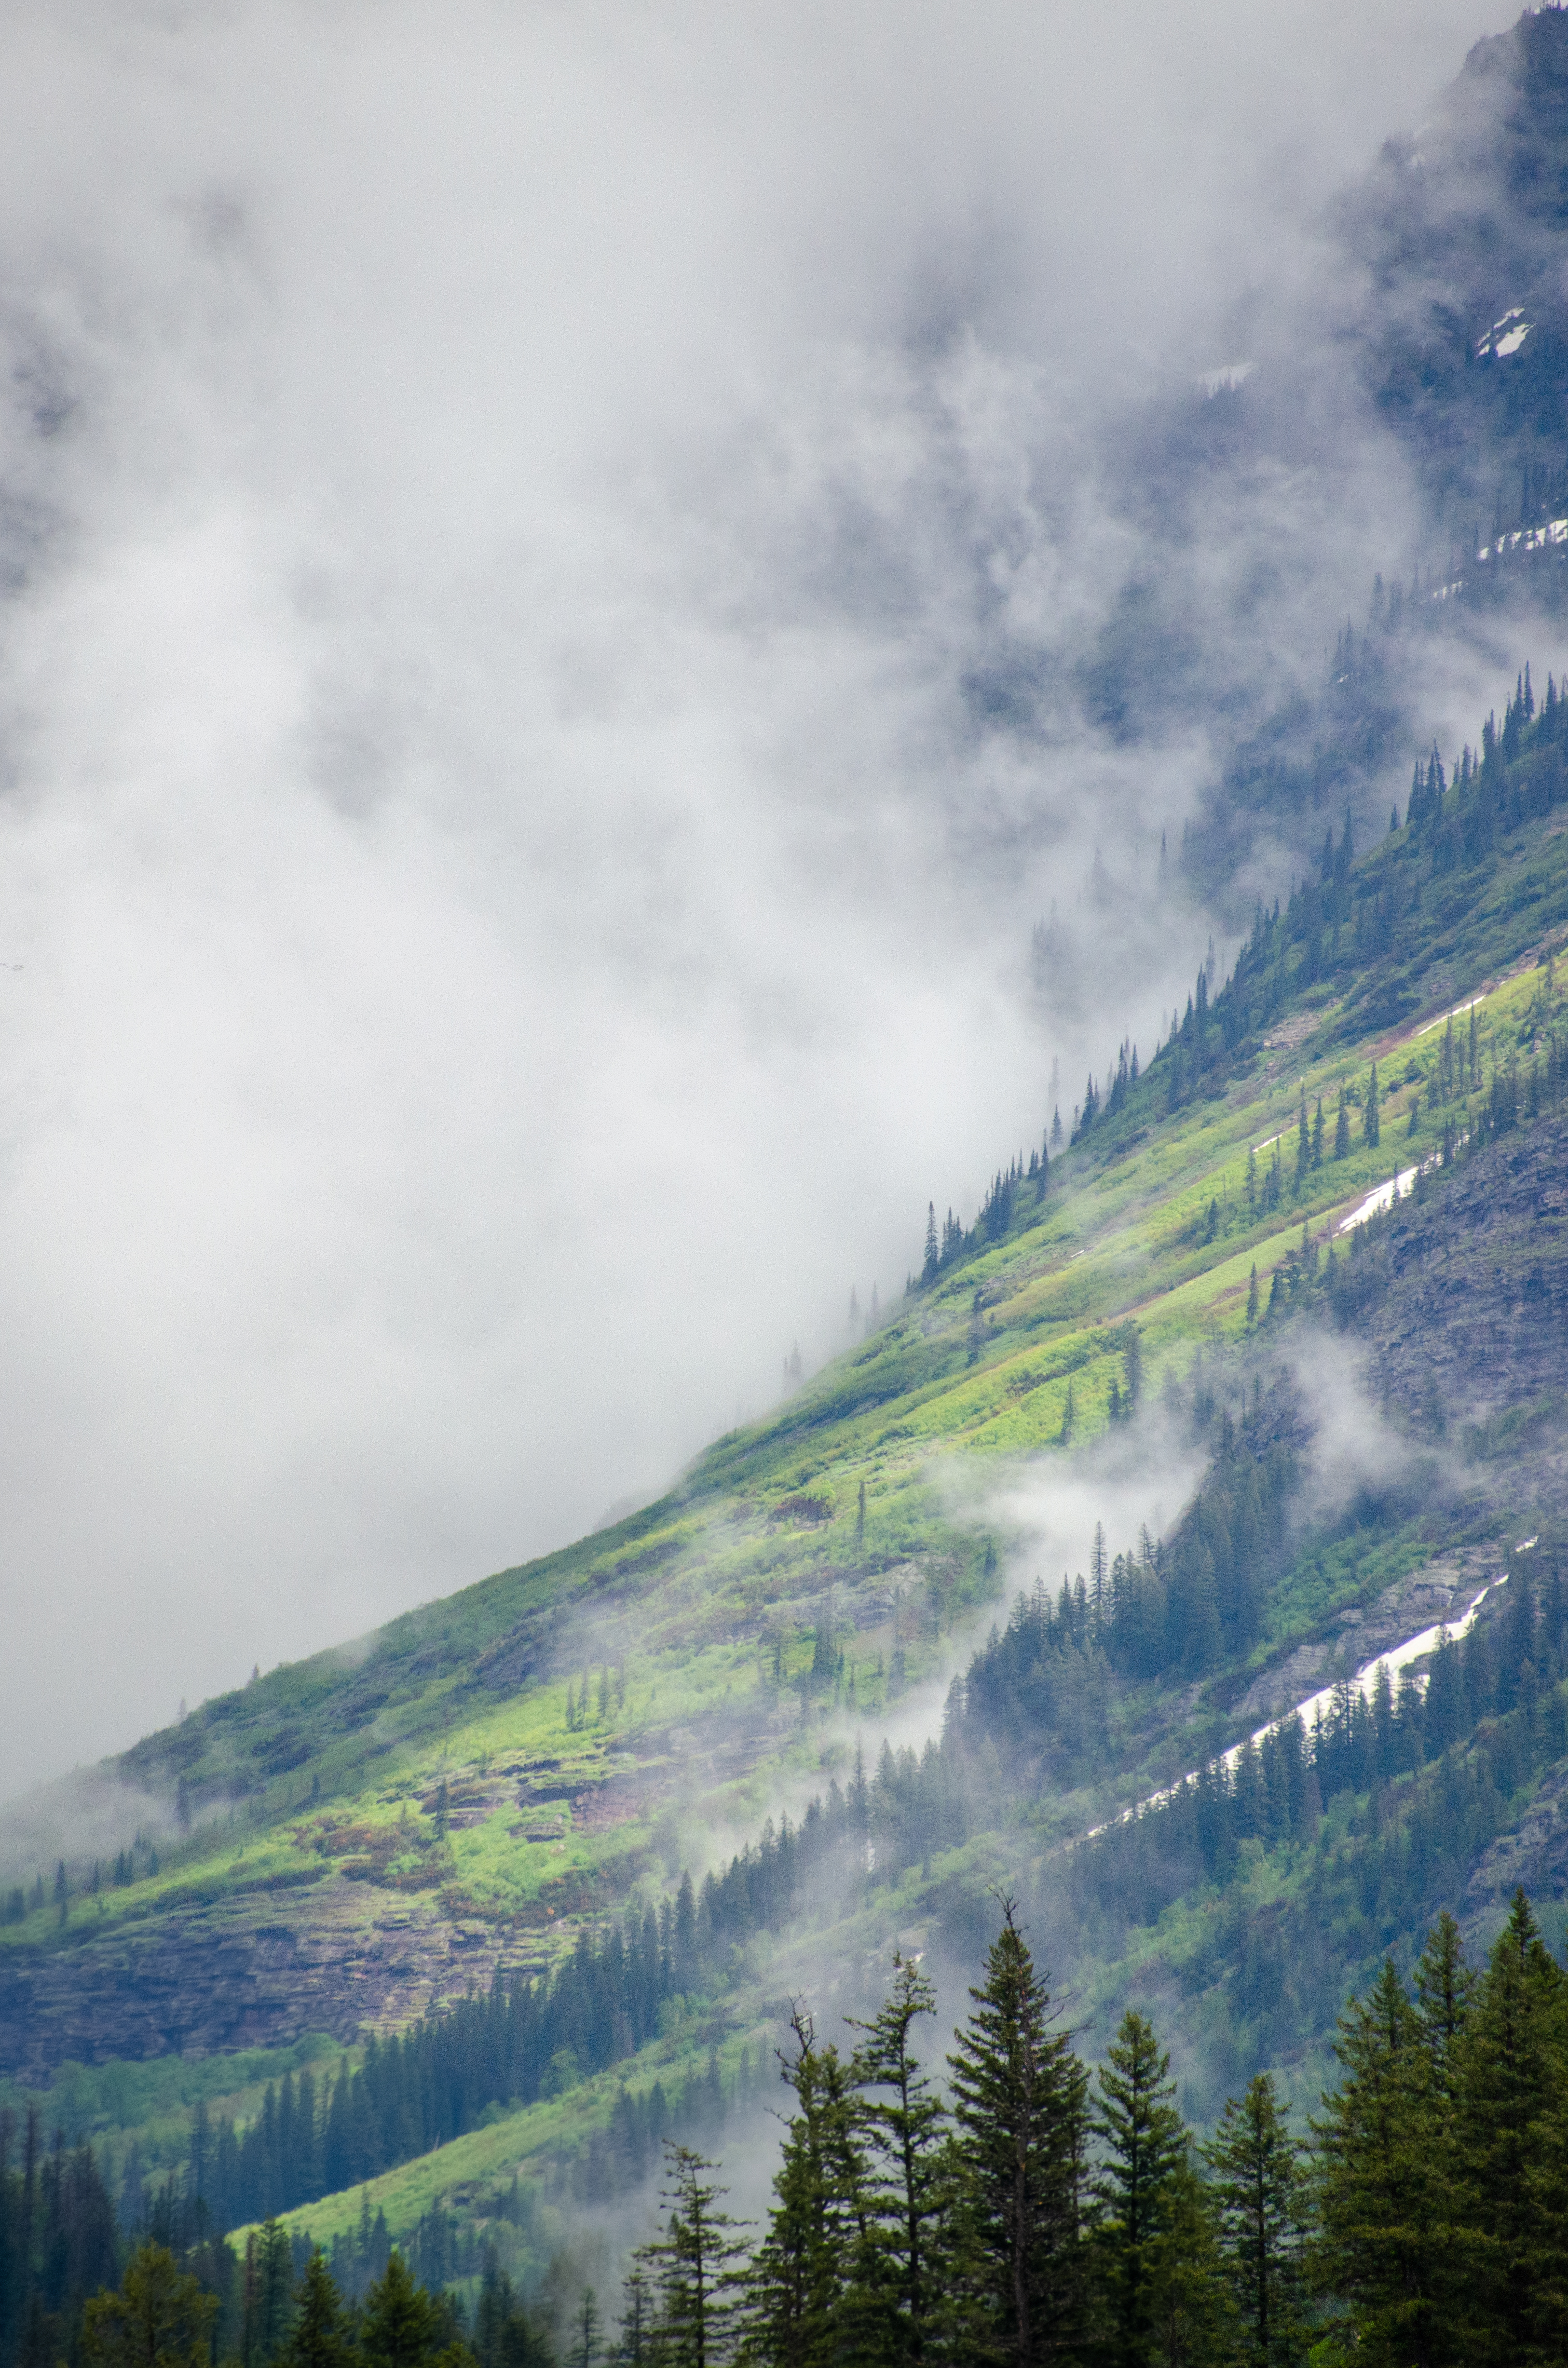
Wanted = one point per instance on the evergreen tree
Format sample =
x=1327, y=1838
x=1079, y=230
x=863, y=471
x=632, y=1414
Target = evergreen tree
x=1192, y=2319
x=1146, y=2149
x=1020, y=2103
x=1342, y=1128
x=1303, y=1143
x=1371, y=1126
x=402, y=2326
x=321, y=2337
x=160, y=2317
x=911, y=2177
x=1384, y=2198
x=808, y=2282
x=1317, y=1133
x=932, y=1259
x=1260, y=2193
x=692, y=2269
x=1512, y=2063
x=1252, y=1298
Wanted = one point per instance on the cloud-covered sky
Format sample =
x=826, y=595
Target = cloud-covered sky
x=516, y=901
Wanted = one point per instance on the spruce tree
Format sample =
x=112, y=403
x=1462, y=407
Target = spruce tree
x=1145, y=2148
x=911, y=2177
x=1342, y=1128
x=160, y=2317
x=1252, y=1298
x=812, y=2278
x=692, y=2269
x=1512, y=2060
x=1020, y=2100
x=1370, y=1127
x=1317, y=1133
x=321, y=2337
x=402, y=2326
x=1260, y=2191
x=1384, y=2202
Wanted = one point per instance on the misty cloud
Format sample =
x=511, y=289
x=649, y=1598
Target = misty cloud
x=552, y=564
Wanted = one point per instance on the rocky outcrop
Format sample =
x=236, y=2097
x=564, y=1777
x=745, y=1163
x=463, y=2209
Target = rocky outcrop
x=255, y=1971
x=1443, y=1591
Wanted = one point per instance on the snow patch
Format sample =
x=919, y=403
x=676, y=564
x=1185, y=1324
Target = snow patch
x=1225, y=380
x=1362, y=1683
x=1506, y=335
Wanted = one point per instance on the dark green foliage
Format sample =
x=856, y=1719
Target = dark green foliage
x=692, y=2269
x=1137, y=2187
x=159, y=2318
x=1019, y=2101
x=1260, y=2194
x=810, y=2279
x=910, y=2181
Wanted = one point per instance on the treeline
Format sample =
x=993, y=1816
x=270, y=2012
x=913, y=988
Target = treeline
x=1365, y=917
x=1034, y=2215
x=203, y=2308
x=1183, y=1604
x=522, y=2040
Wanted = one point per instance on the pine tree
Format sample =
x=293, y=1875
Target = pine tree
x=907, y=2136
x=692, y=2269
x=160, y=2317
x=1261, y=2194
x=1252, y=1298
x=1511, y=2061
x=1384, y=2204
x=1342, y=1128
x=810, y=2278
x=1317, y=1135
x=1193, y=2321
x=932, y=1259
x=1020, y=2100
x=1146, y=2146
x=321, y=2337
x=402, y=2326
x=1303, y=1144
x=1371, y=1126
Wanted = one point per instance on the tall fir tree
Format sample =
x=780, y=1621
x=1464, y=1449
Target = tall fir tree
x=911, y=2179
x=810, y=2282
x=1021, y=2105
x=1144, y=2144
x=1260, y=2191
x=693, y=2269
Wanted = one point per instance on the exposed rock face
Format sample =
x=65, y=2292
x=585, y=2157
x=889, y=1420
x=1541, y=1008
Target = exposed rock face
x=1443, y=1591
x=1534, y=1855
x=1466, y=1301
x=247, y=1971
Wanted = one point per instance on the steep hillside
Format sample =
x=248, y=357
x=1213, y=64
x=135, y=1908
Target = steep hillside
x=1202, y=1284
x=438, y=1935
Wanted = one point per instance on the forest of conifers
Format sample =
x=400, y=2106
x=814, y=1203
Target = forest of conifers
x=1017, y=2209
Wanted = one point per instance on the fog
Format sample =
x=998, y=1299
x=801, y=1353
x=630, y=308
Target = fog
x=515, y=898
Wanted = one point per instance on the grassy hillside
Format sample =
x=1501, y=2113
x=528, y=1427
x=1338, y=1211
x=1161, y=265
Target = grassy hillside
x=495, y=1781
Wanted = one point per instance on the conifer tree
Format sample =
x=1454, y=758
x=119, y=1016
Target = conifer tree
x=911, y=2176
x=1511, y=2058
x=160, y=2317
x=321, y=2337
x=1145, y=2146
x=932, y=1259
x=1303, y=1144
x=810, y=2282
x=692, y=2269
x=1371, y=1126
x=1260, y=2191
x=1317, y=1133
x=1252, y=1298
x=1384, y=2207
x=402, y=2326
x=1021, y=2105
x=1193, y=2320
x=1342, y=1128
